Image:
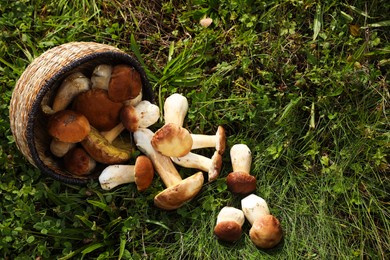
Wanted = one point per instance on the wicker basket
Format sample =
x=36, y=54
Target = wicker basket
x=41, y=79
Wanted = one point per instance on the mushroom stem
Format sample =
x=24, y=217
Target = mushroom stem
x=143, y=115
x=112, y=134
x=163, y=164
x=241, y=158
x=196, y=161
x=254, y=207
x=218, y=140
x=175, y=109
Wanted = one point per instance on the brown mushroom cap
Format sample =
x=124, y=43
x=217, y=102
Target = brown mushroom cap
x=266, y=232
x=68, y=126
x=101, y=112
x=241, y=182
x=175, y=196
x=78, y=162
x=125, y=83
x=129, y=118
x=229, y=231
x=144, y=172
x=172, y=140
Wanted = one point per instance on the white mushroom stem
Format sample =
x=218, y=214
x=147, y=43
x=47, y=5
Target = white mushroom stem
x=70, y=87
x=147, y=113
x=175, y=109
x=59, y=148
x=162, y=164
x=101, y=76
x=196, y=161
x=254, y=207
x=112, y=134
x=218, y=140
x=114, y=175
x=231, y=214
x=241, y=158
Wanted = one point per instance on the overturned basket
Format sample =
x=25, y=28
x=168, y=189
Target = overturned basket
x=41, y=79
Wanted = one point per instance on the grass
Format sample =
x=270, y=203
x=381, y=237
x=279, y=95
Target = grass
x=305, y=84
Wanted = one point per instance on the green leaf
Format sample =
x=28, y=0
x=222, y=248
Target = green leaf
x=317, y=22
x=378, y=24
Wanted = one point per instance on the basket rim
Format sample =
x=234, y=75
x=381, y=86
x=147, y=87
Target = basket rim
x=120, y=57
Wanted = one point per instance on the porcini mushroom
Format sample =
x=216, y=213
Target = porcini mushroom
x=196, y=161
x=78, y=162
x=178, y=191
x=72, y=85
x=143, y=115
x=173, y=139
x=125, y=83
x=141, y=173
x=266, y=231
x=229, y=224
x=101, y=112
x=59, y=148
x=240, y=181
x=68, y=126
x=101, y=76
x=218, y=140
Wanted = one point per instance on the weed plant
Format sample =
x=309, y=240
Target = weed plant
x=305, y=84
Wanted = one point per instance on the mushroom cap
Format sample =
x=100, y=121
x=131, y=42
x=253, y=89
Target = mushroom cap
x=125, y=83
x=129, y=118
x=229, y=231
x=175, y=196
x=266, y=232
x=241, y=182
x=144, y=172
x=221, y=140
x=102, y=113
x=68, y=126
x=215, y=167
x=78, y=162
x=172, y=140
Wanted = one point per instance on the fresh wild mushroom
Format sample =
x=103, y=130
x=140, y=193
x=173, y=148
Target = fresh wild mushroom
x=229, y=224
x=125, y=83
x=68, y=126
x=141, y=173
x=173, y=139
x=266, y=231
x=218, y=140
x=101, y=76
x=178, y=191
x=72, y=86
x=78, y=162
x=143, y=115
x=102, y=113
x=240, y=181
x=196, y=161
x=59, y=148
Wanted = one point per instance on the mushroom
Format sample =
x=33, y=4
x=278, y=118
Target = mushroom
x=72, y=85
x=141, y=173
x=125, y=83
x=102, y=150
x=101, y=112
x=266, y=231
x=143, y=115
x=218, y=140
x=68, y=126
x=172, y=139
x=178, y=191
x=240, y=181
x=229, y=224
x=210, y=165
x=101, y=76
x=59, y=148
x=78, y=162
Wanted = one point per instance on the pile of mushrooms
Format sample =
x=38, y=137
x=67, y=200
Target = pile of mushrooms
x=86, y=120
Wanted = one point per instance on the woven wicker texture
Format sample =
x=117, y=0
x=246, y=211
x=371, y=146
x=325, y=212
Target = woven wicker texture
x=39, y=81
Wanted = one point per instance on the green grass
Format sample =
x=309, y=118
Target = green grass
x=305, y=84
